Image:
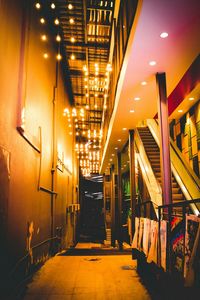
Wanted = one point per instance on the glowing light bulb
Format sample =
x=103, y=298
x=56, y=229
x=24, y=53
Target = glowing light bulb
x=44, y=37
x=71, y=21
x=56, y=21
x=53, y=5
x=72, y=39
x=58, y=56
x=72, y=57
x=46, y=55
x=42, y=20
x=58, y=38
x=70, y=6
x=37, y=5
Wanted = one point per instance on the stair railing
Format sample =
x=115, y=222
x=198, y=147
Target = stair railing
x=152, y=184
x=186, y=178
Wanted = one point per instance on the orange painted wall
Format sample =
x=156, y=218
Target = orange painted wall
x=25, y=203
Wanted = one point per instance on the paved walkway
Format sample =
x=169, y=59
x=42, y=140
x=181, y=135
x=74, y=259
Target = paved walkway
x=88, y=278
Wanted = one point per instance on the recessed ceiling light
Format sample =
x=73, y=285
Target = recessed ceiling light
x=132, y=111
x=124, y=128
x=152, y=63
x=137, y=98
x=180, y=110
x=119, y=140
x=143, y=83
x=163, y=35
x=191, y=98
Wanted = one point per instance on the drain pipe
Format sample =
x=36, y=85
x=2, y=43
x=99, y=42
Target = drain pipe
x=53, y=167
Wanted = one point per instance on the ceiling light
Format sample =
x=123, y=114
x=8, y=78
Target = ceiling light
x=71, y=21
x=56, y=21
x=163, y=35
x=110, y=159
x=58, y=38
x=44, y=37
x=72, y=57
x=143, y=83
x=131, y=111
x=152, y=63
x=124, y=129
x=180, y=111
x=137, y=98
x=42, y=20
x=116, y=148
x=45, y=55
x=53, y=6
x=72, y=40
x=191, y=98
x=37, y=5
x=70, y=6
x=58, y=57
x=113, y=154
x=119, y=140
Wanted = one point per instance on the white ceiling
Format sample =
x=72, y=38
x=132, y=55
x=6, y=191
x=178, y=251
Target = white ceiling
x=174, y=54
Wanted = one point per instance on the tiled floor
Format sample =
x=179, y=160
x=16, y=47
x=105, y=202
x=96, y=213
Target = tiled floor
x=88, y=278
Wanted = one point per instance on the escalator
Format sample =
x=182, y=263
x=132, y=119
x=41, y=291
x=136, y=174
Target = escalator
x=185, y=183
x=153, y=154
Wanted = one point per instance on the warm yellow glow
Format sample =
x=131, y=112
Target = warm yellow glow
x=95, y=106
x=85, y=79
x=180, y=111
x=42, y=20
x=87, y=95
x=44, y=37
x=58, y=57
x=191, y=98
x=137, y=98
x=132, y=111
x=70, y=6
x=96, y=73
x=72, y=39
x=66, y=110
x=70, y=133
x=56, y=21
x=86, y=86
x=70, y=125
x=72, y=57
x=71, y=21
x=124, y=129
x=37, y=5
x=119, y=140
x=143, y=83
x=58, y=38
x=46, y=55
x=96, y=95
x=53, y=5
x=87, y=107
